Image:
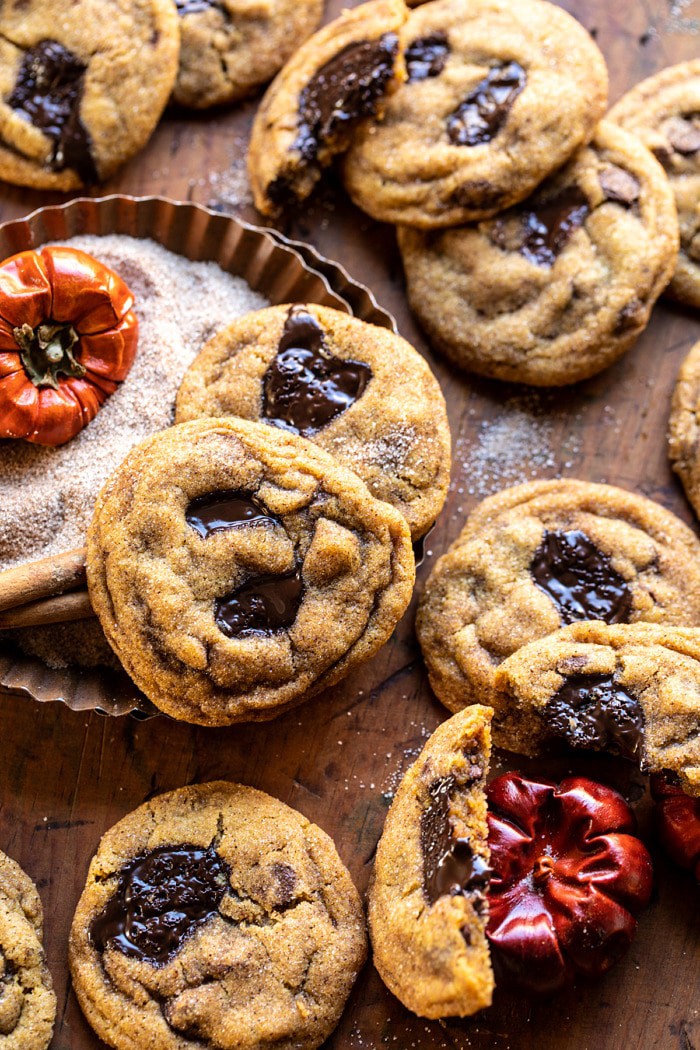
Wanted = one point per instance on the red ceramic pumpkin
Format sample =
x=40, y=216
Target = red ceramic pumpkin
x=67, y=339
x=568, y=876
x=678, y=823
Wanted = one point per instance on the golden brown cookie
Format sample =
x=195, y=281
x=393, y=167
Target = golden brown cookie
x=337, y=79
x=560, y=286
x=359, y=391
x=230, y=47
x=427, y=904
x=27, y=1000
x=541, y=555
x=237, y=570
x=631, y=689
x=683, y=427
x=82, y=86
x=664, y=112
x=499, y=93
x=216, y=916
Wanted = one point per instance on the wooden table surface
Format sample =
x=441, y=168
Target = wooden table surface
x=65, y=778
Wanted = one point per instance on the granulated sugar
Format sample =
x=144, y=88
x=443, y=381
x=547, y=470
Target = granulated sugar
x=516, y=447
x=47, y=494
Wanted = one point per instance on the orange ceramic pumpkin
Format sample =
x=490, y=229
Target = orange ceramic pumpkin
x=67, y=339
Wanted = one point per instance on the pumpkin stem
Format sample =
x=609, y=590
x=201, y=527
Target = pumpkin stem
x=543, y=868
x=47, y=350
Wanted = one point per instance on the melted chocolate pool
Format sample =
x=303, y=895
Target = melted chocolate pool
x=305, y=386
x=48, y=92
x=426, y=57
x=343, y=91
x=261, y=606
x=219, y=511
x=580, y=579
x=593, y=711
x=163, y=896
x=485, y=110
x=450, y=865
x=543, y=229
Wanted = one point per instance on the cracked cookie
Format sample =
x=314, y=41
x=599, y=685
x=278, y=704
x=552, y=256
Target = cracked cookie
x=541, y=555
x=557, y=288
x=27, y=1000
x=237, y=569
x=664, y=112
x=216, y=913
x=359, y=391
x=338, y=78
x=629, y=689
x=82, y=85
x=683, y=427
x=230, y=47
x=499, y=93
x=427, y=902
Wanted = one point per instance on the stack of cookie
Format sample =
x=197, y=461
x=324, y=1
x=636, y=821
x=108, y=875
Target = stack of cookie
x=536, y=238
x=260, y=549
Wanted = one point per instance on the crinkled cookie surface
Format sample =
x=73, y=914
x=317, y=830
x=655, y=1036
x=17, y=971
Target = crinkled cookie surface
x=237, y=569
x=216, y=916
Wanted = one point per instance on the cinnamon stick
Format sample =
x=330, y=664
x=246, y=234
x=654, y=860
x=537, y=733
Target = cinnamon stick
x=62, y=609
x=42, y=579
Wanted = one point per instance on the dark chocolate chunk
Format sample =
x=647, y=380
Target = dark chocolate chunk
x=48, y=92
x=163, y=896
x=485, y=110
x=593, y=711
x=619, y=185
x=286, y=879
x=685, y=136
x=344, y=90
x=305, y=386
x=261, y=606
x=450, y=865
x=426, y=57
x=218, y=511
x=580, y=579
x=542, y=230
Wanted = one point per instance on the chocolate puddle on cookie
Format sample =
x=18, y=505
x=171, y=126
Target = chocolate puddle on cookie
x=540, y=231
x=48, y=93
x=593, y=711
x=450, y=866
x=485, y=110
x=426, y=57
x=220, y=511
x=163, y=896
x=305, y=386
x=580, y=579
x=261, y=606
x=344, y=90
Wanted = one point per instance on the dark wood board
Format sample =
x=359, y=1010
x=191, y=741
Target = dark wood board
x=65, y=778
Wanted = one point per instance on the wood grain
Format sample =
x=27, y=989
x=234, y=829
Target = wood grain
x=66, y=777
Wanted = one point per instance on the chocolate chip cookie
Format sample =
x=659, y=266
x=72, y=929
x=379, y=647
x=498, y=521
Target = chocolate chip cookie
x=359, y=391
x=538, y=556
x=231, y=47
x=82, y=85
x=557, y=288
x=27, y=1000
x=237, y=569
x=218, y=915
x=427, y=903
x=499, y=93
x=683, y=427
x=664, y=111
x=630, y=689
x=337, y=79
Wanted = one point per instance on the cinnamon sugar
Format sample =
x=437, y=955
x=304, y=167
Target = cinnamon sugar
x=47, y=494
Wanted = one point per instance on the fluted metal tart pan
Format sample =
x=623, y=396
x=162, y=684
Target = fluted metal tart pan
x=281, y=270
